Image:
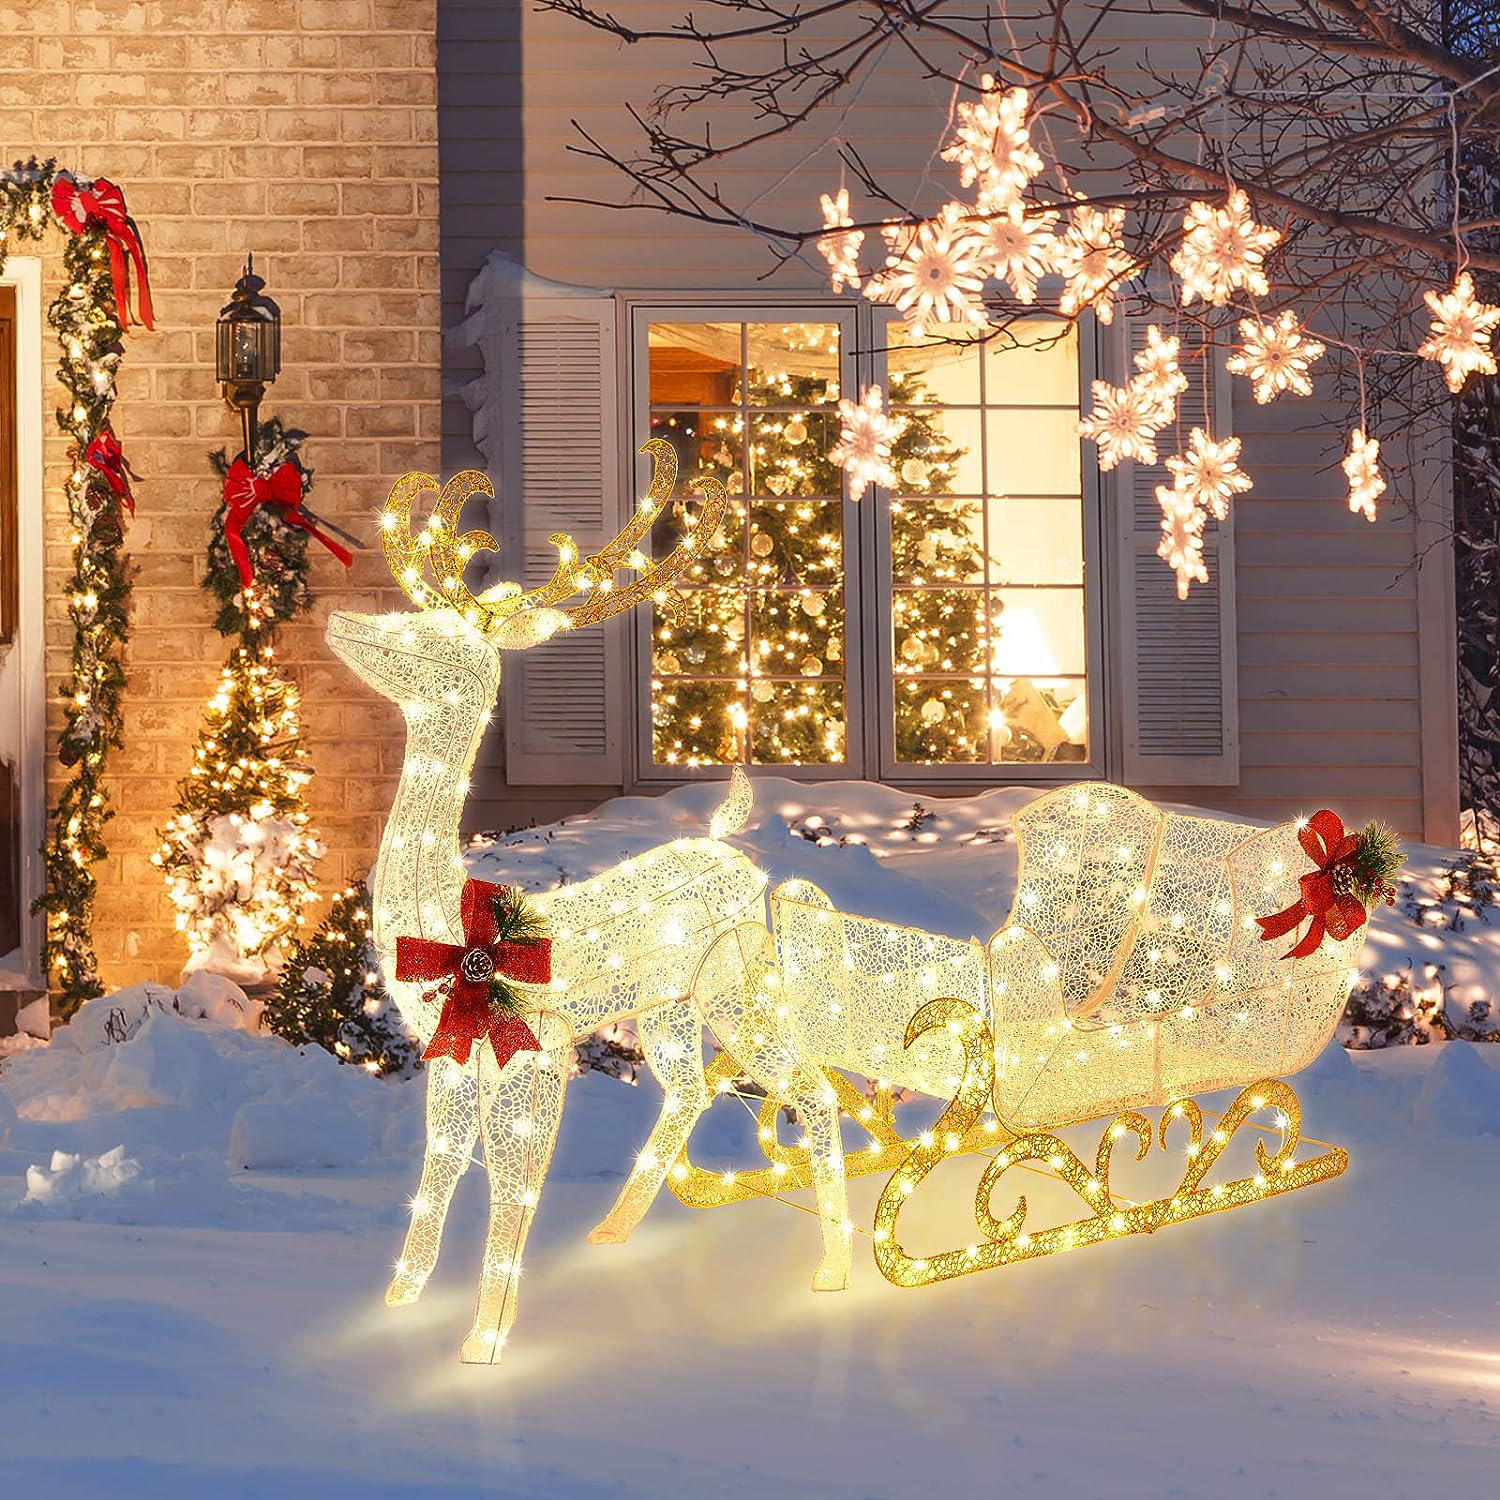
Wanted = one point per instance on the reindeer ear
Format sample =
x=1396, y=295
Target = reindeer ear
x=528, y=627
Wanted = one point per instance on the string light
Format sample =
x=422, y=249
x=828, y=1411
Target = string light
x=1124, y=421
x=841, y=250
x=1460, y=337
x=1181, y=544
x=1161, y=375
x=1092, y=259
x=931, y=275
x=1223, y=251
x=1362, y=469
x=1015, y=248
x=992, y=145
x=1208, y=474
x=1275, y=357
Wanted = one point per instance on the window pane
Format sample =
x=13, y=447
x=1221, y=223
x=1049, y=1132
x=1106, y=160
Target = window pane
x=938, y=450
x=753, y=404
x=1034, y=452
x=938, y=540
x=1036, y=541
x=793, y=362
x=1032, y=362
x=941, y=722
x=940, y=630
x=940, y=368
x=1043, y=720
x=1036, y=632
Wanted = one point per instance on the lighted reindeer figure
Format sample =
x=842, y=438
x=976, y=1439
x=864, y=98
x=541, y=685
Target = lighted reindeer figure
x=624, y=944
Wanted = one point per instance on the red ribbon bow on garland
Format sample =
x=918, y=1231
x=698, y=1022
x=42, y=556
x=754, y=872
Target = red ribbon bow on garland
x=100, y=203
x=245, y=491
x=1334, y=912
x=467, y=970
x=105, y=455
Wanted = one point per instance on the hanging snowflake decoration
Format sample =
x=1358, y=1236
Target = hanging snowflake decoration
x=1362, y=468
x=841, y=251
x=1209, y=474
x=863, y=450
x=1015, y=249
x=1460, y=338
x=1124, y=422
x=1223, y=251
x=1092, y=258
x=1275, y=356
x=1181, y=544
x=931, y=275
x=992, y=145
x=1161, y=376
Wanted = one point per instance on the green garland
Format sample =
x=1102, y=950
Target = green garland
x=83, y=317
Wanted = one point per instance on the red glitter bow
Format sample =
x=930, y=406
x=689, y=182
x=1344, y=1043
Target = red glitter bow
x=245, y=491
x=1332, y=912
x=101, y=204
x=105, y=455
x=467, y=969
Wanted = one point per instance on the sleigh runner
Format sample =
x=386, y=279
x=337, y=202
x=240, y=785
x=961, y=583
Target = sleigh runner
x=1131, y=973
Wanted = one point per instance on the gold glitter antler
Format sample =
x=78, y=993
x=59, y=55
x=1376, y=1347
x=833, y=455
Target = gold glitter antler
x=439, y=550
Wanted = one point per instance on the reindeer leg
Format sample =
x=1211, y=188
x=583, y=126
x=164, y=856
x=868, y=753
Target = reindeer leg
x=672, y=1039
x=519, y=1112
x=452, y=1126
x=737, y=991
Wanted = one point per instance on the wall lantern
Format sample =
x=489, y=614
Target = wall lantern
x=248, y=350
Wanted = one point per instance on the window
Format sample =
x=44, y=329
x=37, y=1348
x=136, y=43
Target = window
x=947, y=623
x=986, y=545
x=752, y=663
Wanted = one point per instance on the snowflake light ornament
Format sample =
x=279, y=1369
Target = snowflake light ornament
x=863, y=450
x=1124, y=422
x=1015, y=249
x=1092, y=257
x=1181, y=544
x=1209, y=474
x=1460, y=338
x=841, y=251
x=992, y=145
x=1362, y=468
x=1223, y=251
x=1275, y=356
x=1161, y=375
x=931, y=275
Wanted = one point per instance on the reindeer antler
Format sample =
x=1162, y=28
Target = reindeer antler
x=438, y=550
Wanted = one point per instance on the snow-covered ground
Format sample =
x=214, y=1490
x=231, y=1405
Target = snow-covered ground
x=197, y=1223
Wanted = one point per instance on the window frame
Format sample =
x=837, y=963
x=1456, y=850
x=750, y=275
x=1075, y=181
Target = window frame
x=857, y=758
x=873, y=351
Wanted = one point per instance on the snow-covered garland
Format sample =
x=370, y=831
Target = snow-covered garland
x=936, y=270
x=237, y=852
x=89, y=316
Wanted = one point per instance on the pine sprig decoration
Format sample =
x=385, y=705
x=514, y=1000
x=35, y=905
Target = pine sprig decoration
x=1369, y=874
x=278, y=551
x=84, y=318
x=516, y=921
x=332, y=995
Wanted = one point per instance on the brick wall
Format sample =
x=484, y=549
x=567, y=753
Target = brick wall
x=304, y=130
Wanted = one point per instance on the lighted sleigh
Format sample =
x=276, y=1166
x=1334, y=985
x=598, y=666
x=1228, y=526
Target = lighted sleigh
x=1131, y=972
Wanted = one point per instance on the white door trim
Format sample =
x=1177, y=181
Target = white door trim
x=23, y=676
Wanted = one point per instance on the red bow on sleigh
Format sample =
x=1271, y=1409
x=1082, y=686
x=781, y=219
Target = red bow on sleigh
x=106, y=456
x=1335, y=913
x=101, y=204
x=245, y=491
x=467, y=970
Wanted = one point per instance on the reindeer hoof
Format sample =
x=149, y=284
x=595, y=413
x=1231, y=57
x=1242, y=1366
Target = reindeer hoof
x=482, y=1347
x=608, y=1234
x=830, y=1279
x=404, y=1290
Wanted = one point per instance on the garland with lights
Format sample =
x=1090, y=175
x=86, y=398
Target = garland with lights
x=89, y=316
x=331, y=994
x=237, y=852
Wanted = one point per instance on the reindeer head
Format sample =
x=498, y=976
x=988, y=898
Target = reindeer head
x=448, y=650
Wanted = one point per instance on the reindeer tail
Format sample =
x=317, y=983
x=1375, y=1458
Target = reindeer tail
x=733, y=813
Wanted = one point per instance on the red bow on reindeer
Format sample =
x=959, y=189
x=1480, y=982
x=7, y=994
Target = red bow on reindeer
x=245, y=491
x=469, y=972
x=101, y=204
x=105, y=455
x=1326, y=897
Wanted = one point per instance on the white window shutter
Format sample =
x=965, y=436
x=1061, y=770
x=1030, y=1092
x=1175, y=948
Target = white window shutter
x=563, y=701
x=1179, y=698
